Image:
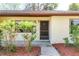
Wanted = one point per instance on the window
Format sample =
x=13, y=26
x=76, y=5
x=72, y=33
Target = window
x=75, y=22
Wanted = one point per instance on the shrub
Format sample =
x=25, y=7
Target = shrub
x=30, y=34
x=9, y=34
x=29, y=37
x=66, y=41
x=11, y=48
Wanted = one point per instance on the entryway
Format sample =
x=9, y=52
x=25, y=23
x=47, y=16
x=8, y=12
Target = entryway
x=44, y=30
x=46, y=48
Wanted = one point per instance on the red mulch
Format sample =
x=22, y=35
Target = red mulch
x=20, y=51
x=66, y=50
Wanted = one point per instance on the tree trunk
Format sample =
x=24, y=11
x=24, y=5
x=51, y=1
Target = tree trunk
x=29, y=46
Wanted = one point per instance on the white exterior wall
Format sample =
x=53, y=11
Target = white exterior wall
x=58, y=26
x=59, y=29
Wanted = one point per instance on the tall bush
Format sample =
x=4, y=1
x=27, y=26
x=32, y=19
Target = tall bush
x=9, y=34
x=30, y=35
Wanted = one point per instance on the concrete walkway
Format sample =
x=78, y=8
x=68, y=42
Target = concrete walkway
x=46, y=48
x=49, y=51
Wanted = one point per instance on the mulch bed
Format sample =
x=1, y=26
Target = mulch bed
x=66, y=50
x=20, y=51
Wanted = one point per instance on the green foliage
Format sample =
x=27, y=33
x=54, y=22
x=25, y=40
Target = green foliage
x=27, y=26
x=74, y=7
x=1, y=36
x=11, y=48
x=74, y=30
x=30, y=34
x=66, y=41
x=28, y=6
x=49, y=6
x=33, y=37
x=8, y=28
x=41, y=6
x=75, y=34
x=29, y=37
x=76, y=42
x=8, y=25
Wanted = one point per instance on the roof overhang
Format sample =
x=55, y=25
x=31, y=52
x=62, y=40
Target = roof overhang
x=37, y=13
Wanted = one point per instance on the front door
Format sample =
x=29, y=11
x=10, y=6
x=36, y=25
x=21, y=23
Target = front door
x=44, y=30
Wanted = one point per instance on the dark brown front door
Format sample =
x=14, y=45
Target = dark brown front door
x=44, y=30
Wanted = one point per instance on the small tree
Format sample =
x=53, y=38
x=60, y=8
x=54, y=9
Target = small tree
x=41, y=6
x=74, y=7
x=9, y=34
x=29, y=37
x=30, y=34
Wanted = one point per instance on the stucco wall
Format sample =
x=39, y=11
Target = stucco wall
x=59, y=28
x=37, y=19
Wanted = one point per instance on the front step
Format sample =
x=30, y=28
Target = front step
x=41, y=43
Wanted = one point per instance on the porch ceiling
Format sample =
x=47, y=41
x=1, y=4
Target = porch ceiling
x=37, y=13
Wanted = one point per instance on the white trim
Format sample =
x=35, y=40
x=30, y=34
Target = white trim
x=38, y=30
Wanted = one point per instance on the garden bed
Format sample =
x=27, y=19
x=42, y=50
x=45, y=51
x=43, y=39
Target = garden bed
x=66, y=50
x=20, y=51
